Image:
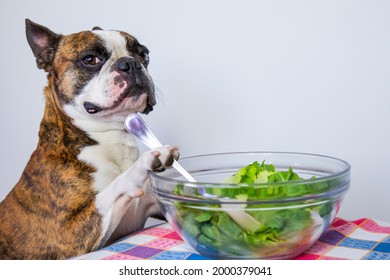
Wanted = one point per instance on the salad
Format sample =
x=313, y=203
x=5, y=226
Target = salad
x=248, y=228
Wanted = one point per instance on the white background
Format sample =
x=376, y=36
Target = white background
x=303, y=76
x=280, y=269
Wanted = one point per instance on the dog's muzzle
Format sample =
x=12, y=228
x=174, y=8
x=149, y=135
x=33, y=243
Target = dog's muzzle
x=138, y=80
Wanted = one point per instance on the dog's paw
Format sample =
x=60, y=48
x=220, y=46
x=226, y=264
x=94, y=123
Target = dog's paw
x=160, y=158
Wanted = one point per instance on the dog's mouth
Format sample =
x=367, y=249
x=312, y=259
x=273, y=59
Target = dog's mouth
x=138, y=97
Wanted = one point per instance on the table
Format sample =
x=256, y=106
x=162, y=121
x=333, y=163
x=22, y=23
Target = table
x=365, y=239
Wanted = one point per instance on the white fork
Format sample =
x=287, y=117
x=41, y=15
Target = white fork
x=139, y=129
x=135, y=124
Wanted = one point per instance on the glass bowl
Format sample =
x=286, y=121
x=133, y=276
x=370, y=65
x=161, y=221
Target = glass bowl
x=277, y=220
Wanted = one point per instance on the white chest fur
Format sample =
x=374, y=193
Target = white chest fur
x=115, y=152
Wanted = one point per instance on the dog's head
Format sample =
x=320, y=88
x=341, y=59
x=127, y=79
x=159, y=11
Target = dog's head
x=95, y=74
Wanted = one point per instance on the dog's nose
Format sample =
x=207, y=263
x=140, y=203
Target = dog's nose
x=127, y=63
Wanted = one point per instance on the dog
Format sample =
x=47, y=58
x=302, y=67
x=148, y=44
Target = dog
x=85, y=185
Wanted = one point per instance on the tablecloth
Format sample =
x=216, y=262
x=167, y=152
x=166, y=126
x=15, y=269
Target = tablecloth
x=362, y=239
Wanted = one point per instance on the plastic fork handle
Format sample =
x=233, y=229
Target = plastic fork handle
x=183, y=172
x=136, y=126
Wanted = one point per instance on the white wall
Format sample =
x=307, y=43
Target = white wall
x=306, y=76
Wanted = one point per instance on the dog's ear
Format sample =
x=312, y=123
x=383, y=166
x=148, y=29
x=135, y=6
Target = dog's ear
x=97, y=28
x=43, y=43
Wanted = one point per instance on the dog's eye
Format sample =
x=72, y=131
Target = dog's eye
x=91, y=60
x=145, y=56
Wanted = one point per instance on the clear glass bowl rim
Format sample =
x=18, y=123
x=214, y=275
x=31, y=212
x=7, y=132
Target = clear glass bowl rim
x=334, y=191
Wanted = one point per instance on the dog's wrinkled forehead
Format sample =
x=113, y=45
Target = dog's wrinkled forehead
x=115, y=42
x=99, y=42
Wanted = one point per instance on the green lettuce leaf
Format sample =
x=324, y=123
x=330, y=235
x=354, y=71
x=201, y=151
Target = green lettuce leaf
x=217, y=230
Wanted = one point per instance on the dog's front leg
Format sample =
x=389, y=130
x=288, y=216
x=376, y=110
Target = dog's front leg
x=113, y=201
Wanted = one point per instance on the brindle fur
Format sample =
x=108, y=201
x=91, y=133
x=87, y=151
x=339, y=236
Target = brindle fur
x=51, y=212
x=51, y=202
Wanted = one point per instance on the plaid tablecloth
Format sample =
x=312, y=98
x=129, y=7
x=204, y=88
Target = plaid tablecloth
x=365, y=239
